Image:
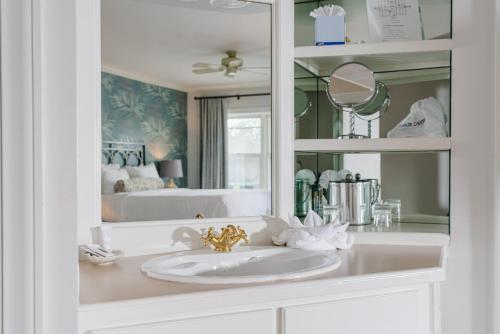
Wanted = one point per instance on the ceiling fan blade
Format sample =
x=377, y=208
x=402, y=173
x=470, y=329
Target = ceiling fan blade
x=206, y=65
x=255, y=72
x=255, y=68
x=207, y=70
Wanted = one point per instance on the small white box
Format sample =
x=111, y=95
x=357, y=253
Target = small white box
x=330, y=30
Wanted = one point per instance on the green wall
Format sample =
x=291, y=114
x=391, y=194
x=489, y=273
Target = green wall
x=134, y=111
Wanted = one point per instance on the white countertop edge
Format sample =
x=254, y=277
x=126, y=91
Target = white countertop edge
x=402, y=238
x=321, y=285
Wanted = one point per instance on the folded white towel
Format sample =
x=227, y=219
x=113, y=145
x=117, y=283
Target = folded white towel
x=314, y=234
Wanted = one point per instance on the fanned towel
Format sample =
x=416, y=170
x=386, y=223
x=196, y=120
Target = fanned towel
x=314, y=234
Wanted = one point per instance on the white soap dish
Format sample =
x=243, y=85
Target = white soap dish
x=101, y=260
x=98, y=255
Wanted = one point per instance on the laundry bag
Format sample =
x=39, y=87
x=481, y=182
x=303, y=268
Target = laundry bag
x=426, y=119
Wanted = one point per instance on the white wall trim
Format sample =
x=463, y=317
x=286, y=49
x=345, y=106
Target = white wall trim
x=472, y=212
x=283, y=120
x=17, y=167
x=496, y=235
x=55, y=165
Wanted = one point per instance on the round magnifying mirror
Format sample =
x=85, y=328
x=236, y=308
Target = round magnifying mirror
x=351, y=84
x=302, y=103
x=376, y=107
x=378, y=104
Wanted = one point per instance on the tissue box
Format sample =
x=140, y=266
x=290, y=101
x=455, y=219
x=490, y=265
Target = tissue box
x=330, y=30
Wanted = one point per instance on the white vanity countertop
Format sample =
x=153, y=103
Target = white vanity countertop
x=124, y=282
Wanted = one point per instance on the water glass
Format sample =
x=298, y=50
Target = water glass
x=396, y=208
x=330, y=213
x=382, y=215
x=334, y=213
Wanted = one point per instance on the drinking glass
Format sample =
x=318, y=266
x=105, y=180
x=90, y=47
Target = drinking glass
x=382, y=215
x=396, y=208
x=335, y=213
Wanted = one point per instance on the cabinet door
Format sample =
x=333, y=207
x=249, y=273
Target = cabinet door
x=258, y=322
x=390, y=313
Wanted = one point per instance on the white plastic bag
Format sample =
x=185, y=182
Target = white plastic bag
x=426, y=119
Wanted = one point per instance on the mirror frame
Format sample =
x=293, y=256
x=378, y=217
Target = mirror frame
x=351, y=105
x=282, y=128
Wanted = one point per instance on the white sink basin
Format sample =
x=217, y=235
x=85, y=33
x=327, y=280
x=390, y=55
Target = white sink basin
x=241, y=266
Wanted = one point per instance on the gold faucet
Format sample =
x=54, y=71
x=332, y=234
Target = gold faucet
x=226, y=239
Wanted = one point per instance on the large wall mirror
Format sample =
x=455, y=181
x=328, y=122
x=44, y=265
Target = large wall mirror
x=185, y=109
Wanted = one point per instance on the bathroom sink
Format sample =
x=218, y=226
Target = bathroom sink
x=247, y=264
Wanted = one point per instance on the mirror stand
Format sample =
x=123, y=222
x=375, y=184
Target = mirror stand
x=352, y=125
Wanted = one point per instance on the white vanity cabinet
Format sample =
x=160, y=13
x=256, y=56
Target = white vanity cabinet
x=394, y=311
x=389, y=289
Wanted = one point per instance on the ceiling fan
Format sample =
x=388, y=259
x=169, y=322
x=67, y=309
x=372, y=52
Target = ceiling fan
x=230, y=65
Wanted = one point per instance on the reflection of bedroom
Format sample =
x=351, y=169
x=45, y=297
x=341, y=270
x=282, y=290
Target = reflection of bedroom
x=186, y=110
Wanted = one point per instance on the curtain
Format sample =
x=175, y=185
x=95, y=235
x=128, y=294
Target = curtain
x=213, y=143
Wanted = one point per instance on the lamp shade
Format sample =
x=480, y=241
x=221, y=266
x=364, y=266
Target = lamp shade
x=171, y=168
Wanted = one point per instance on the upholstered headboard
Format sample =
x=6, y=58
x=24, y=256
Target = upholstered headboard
x=123, y=153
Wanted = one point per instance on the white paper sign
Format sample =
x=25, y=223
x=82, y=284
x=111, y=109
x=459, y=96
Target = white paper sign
x=394, y=20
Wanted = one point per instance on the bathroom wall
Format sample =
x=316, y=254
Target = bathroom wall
x=135, y=111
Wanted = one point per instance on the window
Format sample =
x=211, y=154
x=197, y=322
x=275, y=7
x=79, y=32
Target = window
x=249, y=150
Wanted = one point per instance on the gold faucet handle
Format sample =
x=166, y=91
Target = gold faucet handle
x=243, y=234
x=207, y=236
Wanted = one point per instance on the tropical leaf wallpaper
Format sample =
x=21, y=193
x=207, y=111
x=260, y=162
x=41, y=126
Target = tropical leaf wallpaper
x=134, y=111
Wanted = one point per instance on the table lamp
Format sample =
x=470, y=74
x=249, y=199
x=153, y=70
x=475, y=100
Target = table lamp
x=171, y=169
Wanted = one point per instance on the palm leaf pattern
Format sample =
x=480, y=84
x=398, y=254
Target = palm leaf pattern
x=133, y=111
x=128, y=103
x=107, y=126
x=157, y=92
x=153, y=127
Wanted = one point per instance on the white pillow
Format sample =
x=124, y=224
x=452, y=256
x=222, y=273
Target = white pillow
x=143, y=171
x=110, y=166
x=109, y=176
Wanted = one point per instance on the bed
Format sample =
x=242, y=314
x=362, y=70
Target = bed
x=170, y=204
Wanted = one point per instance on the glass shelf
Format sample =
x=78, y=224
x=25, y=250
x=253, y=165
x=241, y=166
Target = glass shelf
x=324, y=121
x=435, y=15
x=420, y=180
x=373, y=145
x=322, y=60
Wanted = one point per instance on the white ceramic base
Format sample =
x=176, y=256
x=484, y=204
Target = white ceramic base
x=241, y=266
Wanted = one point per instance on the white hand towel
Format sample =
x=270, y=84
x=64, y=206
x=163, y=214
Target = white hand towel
x=314, y=234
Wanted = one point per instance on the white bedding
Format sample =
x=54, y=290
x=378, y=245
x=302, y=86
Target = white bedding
x=168, y=204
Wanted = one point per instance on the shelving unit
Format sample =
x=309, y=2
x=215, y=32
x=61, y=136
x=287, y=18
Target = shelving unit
x=394, y=63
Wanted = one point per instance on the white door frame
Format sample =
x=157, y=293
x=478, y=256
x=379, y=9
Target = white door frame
x=39, y=166
x=18, y=265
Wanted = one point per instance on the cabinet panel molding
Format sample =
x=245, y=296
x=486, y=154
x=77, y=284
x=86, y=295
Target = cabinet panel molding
x=262, y=322
x=391, y=313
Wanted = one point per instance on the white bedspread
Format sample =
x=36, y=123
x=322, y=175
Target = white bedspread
x=168, y=204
